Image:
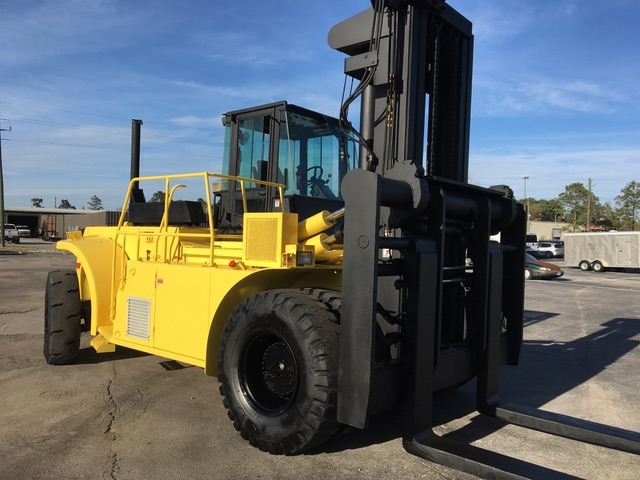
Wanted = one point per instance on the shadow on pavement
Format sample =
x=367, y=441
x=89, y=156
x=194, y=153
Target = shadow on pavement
x=88, y=355
x=534, y=383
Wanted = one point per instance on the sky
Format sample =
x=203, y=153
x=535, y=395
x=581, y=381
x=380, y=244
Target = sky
x=556, y=90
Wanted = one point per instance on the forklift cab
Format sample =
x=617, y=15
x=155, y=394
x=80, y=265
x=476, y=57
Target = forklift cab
x=282, y=143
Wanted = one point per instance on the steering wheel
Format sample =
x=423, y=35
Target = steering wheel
x=315, y=177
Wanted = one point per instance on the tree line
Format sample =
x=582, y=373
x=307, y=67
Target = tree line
x=93, y=204
x=581, y=208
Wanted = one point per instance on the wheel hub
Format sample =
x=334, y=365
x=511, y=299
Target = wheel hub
x=269, y=373
x=278, y=370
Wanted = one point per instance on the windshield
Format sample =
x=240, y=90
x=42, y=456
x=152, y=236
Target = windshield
x=314, y=155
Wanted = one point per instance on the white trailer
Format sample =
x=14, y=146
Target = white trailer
x=600, y=250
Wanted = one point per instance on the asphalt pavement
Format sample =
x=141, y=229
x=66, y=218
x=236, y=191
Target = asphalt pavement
x=129, y=415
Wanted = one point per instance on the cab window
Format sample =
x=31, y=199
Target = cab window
x=313, y=156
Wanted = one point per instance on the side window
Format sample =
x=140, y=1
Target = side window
x=253, y=148
x=223, y=184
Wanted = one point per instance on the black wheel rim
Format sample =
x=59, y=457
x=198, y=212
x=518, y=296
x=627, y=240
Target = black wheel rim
x=268, y=373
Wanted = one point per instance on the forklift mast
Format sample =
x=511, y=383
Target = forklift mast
x=443, y=282
x=414, y=67
x=418, y=252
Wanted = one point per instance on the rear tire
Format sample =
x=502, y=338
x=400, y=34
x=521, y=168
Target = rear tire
x=278, y=371
x=62, y=317
x=548, y=255
x=584, y=266
x=597, y=266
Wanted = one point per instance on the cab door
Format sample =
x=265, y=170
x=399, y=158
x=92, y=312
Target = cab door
x=251, y=150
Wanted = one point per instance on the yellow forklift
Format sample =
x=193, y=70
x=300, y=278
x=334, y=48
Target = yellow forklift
x=329, y=273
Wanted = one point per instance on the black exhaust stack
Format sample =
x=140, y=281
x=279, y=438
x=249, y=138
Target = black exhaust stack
x=137, y=195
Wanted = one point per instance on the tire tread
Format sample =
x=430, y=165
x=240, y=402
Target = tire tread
x=62, y=317
x=317, y=326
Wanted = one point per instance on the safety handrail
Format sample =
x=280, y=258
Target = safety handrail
x=164, y=223
x=206, y=175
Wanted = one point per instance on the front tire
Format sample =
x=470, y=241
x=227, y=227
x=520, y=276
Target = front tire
x=528, y=275
x=62, y=317
x=278, y=371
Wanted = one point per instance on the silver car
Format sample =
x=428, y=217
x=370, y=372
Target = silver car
x=550, y=249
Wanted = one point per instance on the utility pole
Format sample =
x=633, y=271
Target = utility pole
x=589, y=206
x=525, y=178
x=2, y=187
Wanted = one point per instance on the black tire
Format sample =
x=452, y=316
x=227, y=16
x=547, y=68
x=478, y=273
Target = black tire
x=278, y=371
x=333, y=301
x=548, y=255
x=597, y=266
x=584, y=265
x=331, y=298
x=528, y=275
x=62, y=317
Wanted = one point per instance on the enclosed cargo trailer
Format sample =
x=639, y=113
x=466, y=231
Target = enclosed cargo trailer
x=599, y=250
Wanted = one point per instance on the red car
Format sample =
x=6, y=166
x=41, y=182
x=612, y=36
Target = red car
x=535, y=268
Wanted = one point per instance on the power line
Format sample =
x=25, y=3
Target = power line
x=99, y=147
x=69, y=144
x=147, y=151
x=116, y=132
x=82, y=127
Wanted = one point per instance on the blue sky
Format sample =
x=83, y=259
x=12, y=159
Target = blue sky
x=556, y=90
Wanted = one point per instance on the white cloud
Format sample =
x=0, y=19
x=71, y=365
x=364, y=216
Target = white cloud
x=193, y=121
x=498, y=21
x=551, y=169
x=52, y=29
x=542, y=95
x=570, y=9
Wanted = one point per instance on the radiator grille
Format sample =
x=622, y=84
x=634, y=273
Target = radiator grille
x=262, y=240
x=138, y=317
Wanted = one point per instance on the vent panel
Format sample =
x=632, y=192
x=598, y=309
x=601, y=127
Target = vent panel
x=138, y=317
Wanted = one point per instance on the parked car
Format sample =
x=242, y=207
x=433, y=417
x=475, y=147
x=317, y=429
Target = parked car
x=535, y=268
x=550, y=249
x=532, y=247
x=11, y=233
x=24, y=231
